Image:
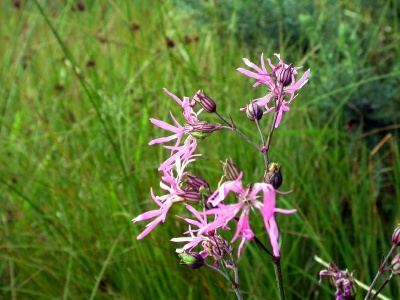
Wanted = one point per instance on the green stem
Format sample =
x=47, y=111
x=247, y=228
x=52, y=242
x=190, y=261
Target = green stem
x=277, y=108
x=278, y=274
x=382, y=286
x=265, y=151
x=235, y=286
x=380, y=272
x=234, y=129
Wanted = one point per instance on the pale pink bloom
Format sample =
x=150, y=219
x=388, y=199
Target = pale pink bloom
x=178, y=131
x=161, y=214
x=247, y=201
x=275, y=89
x=187, y=106
x=194, y=239
x=193, y=127
x=171, y=184
x=262, y=75
x=183, y=152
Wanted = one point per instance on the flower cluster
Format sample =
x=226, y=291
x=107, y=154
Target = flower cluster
x=281, y=81
x=181, y=186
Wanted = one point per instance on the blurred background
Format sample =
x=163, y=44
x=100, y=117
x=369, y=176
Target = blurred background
x=79, y=81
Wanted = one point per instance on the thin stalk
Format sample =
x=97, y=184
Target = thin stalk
x=278, y=274
x=234, y=129
x=234, y=284
x=380, y=272
x=277, y=107
x=382, y=286
x=265, y=151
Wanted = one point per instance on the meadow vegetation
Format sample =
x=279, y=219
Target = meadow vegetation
x=78, y=84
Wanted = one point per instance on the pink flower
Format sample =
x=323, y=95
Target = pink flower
x=193, y=127
x=247, y=202
x=281, y=81
x=193, y=240
x=170, y=184
x=183, y=152
x=213, y=244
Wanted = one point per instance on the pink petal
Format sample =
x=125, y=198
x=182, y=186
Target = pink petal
x=179, y=101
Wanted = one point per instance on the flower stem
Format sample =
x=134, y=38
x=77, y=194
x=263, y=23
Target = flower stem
x=277, y=108
x=382, y=286
x=235, y=286
x=234, y=129
x=380, y=272
x=278, y=274
x=265, y=150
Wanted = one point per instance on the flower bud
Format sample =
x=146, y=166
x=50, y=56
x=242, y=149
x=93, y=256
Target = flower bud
x=203, y=127
x=395, y=265
x=231, y=171
x=274, y=175
x=205, y=102
x=254, y=111
x=196, y=182
x=396, y=236
x=192, y=259
x=285, y=75
x=189, y=196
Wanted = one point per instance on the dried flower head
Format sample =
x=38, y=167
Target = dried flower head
x=346, y=287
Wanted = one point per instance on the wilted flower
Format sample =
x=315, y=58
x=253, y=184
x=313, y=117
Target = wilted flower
x=346, y=287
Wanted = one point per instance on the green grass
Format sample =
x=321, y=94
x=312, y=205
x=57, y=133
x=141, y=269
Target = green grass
x=77, y=90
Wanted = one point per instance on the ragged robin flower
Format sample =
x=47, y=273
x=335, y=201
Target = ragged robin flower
x=247, y=201
x=281, y=81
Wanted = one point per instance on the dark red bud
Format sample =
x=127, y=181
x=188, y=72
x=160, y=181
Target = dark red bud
x=205, y=102
x=285, y=75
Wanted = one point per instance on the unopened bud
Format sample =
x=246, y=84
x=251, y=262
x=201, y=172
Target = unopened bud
x=203, y=127
x=274, y=175
x=395, y=265
x=231, y=171
x=285, y=75
x=189, y=196
x=205, y=102
x=396, y=237
x=196, y=182
x=254, y=111
x=192, y=260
